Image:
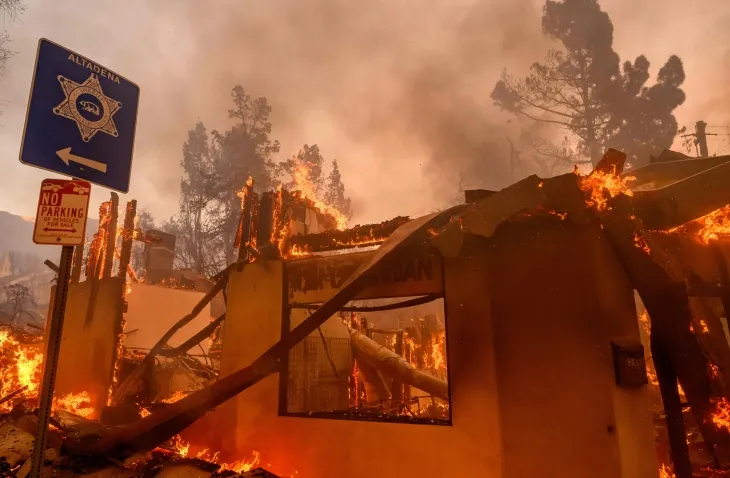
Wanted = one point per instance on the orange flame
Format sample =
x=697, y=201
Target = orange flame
x=641, y=243
x=601, y=187
x=178, y=395
x=666, y=472
x=79, y=404
x=20, y=366
x=721, y=414
x=301, y=175
x=243, y=466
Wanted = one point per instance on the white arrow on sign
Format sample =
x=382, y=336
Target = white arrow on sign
x=66, y=156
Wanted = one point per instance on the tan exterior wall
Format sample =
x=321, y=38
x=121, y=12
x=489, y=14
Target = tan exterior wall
x=154, y=309
x=558, y=298
x=529, y=318
x=86, y=360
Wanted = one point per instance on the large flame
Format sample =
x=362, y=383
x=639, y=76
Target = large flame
x=301, y=175
x=182, y=448
x=20, y=368
x=711, y=227
x=600, y=187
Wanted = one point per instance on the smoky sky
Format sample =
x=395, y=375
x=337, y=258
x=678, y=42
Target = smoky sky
x=397, y=91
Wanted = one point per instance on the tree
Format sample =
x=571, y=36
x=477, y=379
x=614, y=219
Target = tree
x=196, y=225
x=644, y=122
x=582, y=89
x=18, y=299
x=12, y=9
x=145, y=222
x=241, y=152
x=334, y=194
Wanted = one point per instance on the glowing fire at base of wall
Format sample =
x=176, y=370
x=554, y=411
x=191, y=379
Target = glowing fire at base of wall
x=20, y=368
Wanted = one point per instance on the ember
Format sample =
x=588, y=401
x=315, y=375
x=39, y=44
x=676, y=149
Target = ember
x=640, y=243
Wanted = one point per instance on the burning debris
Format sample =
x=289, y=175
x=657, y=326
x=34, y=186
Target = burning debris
x=358, y=236
x=20, y=368
x=712, y=227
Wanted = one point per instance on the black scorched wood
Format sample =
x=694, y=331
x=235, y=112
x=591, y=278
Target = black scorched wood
x=150, y=431
x=358, y=236
x=130, y=386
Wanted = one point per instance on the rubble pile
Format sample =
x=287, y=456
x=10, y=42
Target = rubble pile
x=20, y=359
x=18, y=427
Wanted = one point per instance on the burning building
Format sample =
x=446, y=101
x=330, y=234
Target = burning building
x=497, y=338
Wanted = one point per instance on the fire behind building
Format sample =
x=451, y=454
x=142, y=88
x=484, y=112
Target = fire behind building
x=498, y=338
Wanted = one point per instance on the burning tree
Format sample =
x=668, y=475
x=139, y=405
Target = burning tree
x=582, y=88
x=216, y=168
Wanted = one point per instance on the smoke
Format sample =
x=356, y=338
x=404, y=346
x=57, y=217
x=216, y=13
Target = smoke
x=397, y=91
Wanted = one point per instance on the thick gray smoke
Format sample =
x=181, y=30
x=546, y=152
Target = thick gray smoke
x=397, y=91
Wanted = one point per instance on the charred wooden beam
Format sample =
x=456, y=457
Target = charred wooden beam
x=133, y=382
x=265, y=223
x=376, y=308
x=94, y=258
x=358, y=236
x=244, y=235
x=12, y=394
x=678, y=448
x=397, y=386
x=394, y=365
x=52, y=266
x=203, y=334
x=77, y=262
x=111, y=236
x=664, y=294
x=127, y=237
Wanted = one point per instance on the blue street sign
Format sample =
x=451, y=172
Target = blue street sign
x=81, y=119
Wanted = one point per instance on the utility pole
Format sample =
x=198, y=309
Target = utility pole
x=701, y=138
x=700, y=135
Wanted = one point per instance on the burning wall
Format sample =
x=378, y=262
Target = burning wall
x=522, y=405
x=89, y=339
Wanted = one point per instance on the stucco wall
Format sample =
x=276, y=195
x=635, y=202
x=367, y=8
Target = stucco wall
x=558, y=297
x=529, y=315
x=153, y=309
x=86, y=359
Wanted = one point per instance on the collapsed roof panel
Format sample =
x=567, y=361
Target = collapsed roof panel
x=672, y=193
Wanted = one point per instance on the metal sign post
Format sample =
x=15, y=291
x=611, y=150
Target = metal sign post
x=50, y=360
x=60, y=219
